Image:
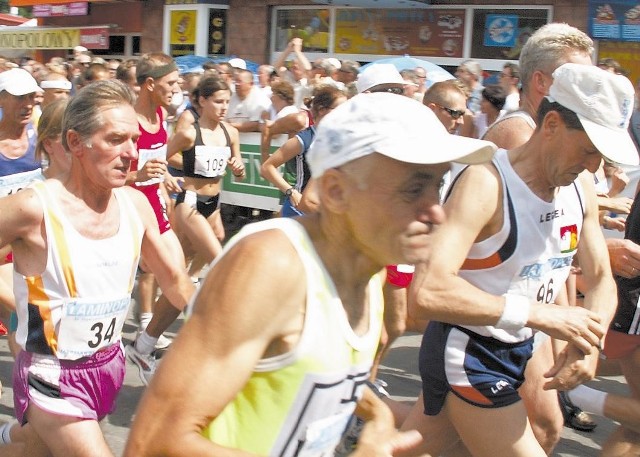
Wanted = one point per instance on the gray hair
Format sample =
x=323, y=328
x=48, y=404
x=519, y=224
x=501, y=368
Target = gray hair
x=84, y=112
x=549, y=47
x=472, y=67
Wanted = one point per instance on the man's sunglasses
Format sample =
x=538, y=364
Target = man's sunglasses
x=454, y=113
x=391, y=90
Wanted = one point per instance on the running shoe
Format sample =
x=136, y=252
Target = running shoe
x=574, y=417
x=3, y=329
x=146, y=363
x=163, y=342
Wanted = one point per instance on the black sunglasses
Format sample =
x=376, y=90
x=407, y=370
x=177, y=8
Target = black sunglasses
x=391, y=90
x=454, y=113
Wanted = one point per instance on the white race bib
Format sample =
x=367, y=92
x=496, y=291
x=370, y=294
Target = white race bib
x=211, y=161
x=88, y=325
x=13, y=183
x=323, y=435
x=144, y=155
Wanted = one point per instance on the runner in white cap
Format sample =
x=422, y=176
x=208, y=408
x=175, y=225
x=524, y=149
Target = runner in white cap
x=289, y=352
x=502, y=253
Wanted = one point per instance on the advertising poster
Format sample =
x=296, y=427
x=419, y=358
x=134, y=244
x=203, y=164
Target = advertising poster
x=501, y=30
x=430, y=33
x=615, y=20
x=182, y=32
x=625, y=53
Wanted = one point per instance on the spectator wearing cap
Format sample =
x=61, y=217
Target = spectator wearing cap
x=380, y=77
x=322, y=72
x=470, y=73
x=78, y=50
x=238, y=63
x=491, y=109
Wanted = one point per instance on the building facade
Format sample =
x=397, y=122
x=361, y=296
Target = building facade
x=445, y=32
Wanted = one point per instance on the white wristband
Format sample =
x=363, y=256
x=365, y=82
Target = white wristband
x=515, y=313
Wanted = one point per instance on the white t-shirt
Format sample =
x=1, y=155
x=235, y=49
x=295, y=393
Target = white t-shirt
x=248, y=109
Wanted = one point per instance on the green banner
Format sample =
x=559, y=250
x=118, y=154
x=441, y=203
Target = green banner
x=253, y=191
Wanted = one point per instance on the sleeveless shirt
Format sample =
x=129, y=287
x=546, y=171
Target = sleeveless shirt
x=299, y=403
x=79, y=303
x=531, y=254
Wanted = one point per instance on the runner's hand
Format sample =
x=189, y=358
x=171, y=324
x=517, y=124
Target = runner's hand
x=573, y=324
x=572, y=368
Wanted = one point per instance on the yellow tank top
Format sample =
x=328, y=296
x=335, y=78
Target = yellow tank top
x=298, y=404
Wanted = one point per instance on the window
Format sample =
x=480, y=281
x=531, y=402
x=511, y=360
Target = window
x=500, y=33
x=312, y=25
x=120, y=46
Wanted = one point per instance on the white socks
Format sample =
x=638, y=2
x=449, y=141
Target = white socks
x=145, y=318
x=588, y=399
x=145, y=343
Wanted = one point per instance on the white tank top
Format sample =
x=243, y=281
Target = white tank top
x=531, y=255
x=78, y=304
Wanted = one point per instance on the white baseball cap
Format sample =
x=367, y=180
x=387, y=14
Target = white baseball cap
x=238, y=63
x=18, y=82
x=603, y=102
x=392, y=125
x=376, y=74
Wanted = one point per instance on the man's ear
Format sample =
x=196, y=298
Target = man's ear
x=333, y=187
x=74, y=142
x=551, y=122
x=541, y=82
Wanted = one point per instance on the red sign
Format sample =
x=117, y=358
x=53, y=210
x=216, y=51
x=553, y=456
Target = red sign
x=67, y=9
x=95, y=38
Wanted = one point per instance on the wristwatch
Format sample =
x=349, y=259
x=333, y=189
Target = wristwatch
x=288, y=192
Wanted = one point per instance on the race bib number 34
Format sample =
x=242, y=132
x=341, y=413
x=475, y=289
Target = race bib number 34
x=90, y=325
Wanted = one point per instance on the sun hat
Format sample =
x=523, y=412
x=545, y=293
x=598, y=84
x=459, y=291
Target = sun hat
x=18, y=82
x=376, y=74
x=393, y=125
x=603, y=102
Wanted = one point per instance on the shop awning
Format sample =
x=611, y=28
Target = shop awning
x=51, y=2
x=34, y=38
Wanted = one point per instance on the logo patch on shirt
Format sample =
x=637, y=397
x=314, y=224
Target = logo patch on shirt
x=568, y=238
